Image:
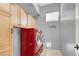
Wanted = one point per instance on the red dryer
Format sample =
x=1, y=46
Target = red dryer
x=29, y=45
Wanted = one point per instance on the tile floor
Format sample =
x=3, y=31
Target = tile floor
x=50, y=52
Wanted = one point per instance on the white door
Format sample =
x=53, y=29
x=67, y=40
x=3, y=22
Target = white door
x=77, y=28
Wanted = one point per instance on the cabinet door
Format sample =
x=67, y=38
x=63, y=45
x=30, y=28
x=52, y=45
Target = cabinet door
x=29, y=20
x=14, y=17
x=23, y=18
x=18, y=15
x=33, y=21
x=5, y=34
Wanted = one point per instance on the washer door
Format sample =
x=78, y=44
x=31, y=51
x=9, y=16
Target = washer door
x=38, y=39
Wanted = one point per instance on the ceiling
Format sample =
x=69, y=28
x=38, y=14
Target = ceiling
x=29, y=8
x=44, y=4
x=33, y=9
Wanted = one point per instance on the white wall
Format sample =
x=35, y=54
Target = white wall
x=51, y=35
x=63, y=36
x=16, y=42
x=77, y=27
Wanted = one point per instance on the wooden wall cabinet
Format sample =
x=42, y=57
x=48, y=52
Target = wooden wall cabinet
x=31, y=21
x=20, y=17
x=23, y=18
x=14, y=15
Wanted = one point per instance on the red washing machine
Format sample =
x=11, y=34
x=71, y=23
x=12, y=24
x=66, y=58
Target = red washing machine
x=31, y=42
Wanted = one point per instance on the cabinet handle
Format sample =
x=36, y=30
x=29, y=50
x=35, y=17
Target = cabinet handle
x=77, y=47
x=11, y=30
